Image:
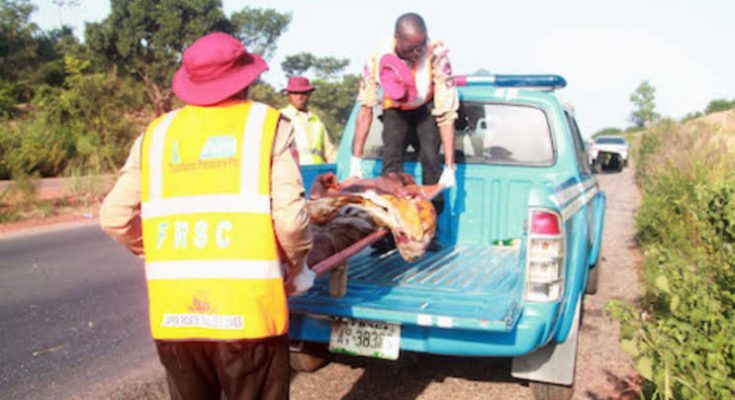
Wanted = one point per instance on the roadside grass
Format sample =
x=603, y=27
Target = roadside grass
x=682, y=334
x=81, y=195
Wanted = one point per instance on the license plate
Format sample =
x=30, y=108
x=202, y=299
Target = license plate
x=372, y=339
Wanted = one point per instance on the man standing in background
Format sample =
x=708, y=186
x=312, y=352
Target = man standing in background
x=212, y=196
x=310, y=134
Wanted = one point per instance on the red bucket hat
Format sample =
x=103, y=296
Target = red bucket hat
x=396, y=79
x=298, y=84
x=214, y=68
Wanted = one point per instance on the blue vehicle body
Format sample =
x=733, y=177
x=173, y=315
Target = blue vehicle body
x=469, y=298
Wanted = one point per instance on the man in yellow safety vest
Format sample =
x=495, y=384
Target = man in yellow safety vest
x=212, y=197
x=310, y=134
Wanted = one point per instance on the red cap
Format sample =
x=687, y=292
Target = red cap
x=298, y=84
x=215, y=68
x=396, y=79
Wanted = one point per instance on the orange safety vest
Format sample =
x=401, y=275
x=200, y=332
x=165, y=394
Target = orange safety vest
x=211, y=259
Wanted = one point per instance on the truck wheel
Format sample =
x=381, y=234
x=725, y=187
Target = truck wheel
x=310, y=357
x=592, y=279
x=618, y=163
x=550, y=391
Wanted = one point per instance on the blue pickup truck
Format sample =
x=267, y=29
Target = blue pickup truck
x=520, y=235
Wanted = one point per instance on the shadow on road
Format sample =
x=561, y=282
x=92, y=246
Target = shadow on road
x=409, y=377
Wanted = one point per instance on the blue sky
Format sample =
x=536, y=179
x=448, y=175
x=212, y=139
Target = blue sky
x=603, y=48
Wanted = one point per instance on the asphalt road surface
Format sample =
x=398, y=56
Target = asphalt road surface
x=73, y=314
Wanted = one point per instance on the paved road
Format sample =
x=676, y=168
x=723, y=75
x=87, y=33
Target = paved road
x=73, y=313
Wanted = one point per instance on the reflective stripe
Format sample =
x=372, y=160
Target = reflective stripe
x=213, y=203
x=213, y=269
x=155, y=156
x=252, y=137
x=574, y=206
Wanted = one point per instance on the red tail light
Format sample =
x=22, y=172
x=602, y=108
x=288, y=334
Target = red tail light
x=544, y=223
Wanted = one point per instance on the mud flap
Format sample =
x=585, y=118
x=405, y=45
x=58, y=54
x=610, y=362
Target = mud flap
x=553, y=363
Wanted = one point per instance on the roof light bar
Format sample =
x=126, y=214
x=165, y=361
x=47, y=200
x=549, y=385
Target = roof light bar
x=548, y=82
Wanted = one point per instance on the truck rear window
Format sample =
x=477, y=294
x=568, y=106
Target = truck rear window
x=488, y=133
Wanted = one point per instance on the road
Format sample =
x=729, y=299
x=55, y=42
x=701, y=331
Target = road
x=73, y=325
x=73, y=313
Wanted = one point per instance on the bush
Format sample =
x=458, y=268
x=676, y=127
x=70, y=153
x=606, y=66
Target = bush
x=682, y=337
x=84, y=125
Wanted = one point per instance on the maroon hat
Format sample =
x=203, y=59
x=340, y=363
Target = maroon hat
x=298, y=84
x=214, y=68
x=396, y=79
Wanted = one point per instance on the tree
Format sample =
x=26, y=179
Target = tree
x=643, y=99
x=333, y=101
x=259, y=29
x=607, y=132
x=323, y=67
x=145, y=38
x=719, y=105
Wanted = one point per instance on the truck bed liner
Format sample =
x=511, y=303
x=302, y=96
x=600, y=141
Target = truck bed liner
x=471, y=287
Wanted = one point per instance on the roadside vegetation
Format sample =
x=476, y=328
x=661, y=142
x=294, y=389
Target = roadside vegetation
x=682, y=334
x=72, y=108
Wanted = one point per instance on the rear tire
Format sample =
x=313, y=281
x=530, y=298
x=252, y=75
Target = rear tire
x=311, y=357
x=592, y=278
x=550, y=391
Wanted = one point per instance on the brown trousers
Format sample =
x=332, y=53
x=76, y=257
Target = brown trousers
x=247, y=369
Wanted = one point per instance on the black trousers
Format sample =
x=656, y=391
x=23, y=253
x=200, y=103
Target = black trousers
x=418, y=128
x=246, y=369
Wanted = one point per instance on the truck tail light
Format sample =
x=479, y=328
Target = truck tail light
x=545, y=257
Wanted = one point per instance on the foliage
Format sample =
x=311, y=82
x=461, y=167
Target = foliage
x=83, y=125
x=682, y=337
x=146, y=38
x=27, y=55
x=259, y=29
x=719, y=105
x=323, y=67
x=644, y=103
x=692, y=116
x=333, y=102
x=607, y=132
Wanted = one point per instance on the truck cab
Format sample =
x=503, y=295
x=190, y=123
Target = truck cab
x=520, y=237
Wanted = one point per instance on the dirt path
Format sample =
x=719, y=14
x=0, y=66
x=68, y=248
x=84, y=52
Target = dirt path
x=603, y=370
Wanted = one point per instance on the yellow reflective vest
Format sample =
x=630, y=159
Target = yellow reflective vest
x=309, y=135
x=211, y=257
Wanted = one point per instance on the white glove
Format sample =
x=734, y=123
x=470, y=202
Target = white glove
x=356, y=167
x=447, y=177
x=303, y=281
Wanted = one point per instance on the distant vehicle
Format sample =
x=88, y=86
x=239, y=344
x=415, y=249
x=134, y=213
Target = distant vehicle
x=521, y=235
x=609, y=152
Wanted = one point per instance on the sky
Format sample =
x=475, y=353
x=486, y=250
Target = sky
x=604, y=49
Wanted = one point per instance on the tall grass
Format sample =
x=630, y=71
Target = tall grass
x=682, y=335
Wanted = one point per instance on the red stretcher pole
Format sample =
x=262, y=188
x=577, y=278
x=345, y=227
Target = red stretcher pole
x=341, y=256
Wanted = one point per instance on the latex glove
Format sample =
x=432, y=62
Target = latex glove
x=302, y=282
x=447, y=177
x=356, y=167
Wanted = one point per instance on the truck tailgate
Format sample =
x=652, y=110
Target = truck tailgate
x=465, y=287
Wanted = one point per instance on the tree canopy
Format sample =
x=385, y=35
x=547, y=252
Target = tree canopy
x=644, y=103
